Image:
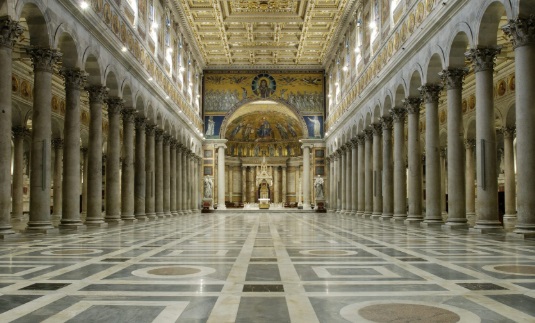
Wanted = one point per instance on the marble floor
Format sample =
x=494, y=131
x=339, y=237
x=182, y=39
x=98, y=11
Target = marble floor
x=278, y=267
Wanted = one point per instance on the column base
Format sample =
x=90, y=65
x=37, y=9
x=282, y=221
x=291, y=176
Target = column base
x=141, y=218
x=521, y=235
x=376, y=216
x=431, y=224
x=398, y=218
x=160, y=215
x=524, y=229
x=151, y=216
x=366, y=215
x=174, y=213
x=471, y=218
x=221, y=207
x=509, y=221
x=96, y=223
x=67, y=224
x=386, y=216
x=8, y=236
x=113, y=221
x=413, y=221
x=129, y=219
x=487, y=227
x=6, y=231
x=451, y=226
x=40, y=227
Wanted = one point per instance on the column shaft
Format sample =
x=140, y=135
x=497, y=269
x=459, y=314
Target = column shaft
x=166, y=176
x=414, y=158
x=306, y=176
x=113, y=161
x=158, y=173
x=284, y=184
x=140, y=176
x=184, y=180
x=354, y=177
x=368, y=176
x=243, y=184
x=343, y=175
x=400, y=177
x=388, y=169
x=173, y=153
x=221, y=177
x=97, y=95
x=377, y=171
x=487, y=177
x=43, y=62
x=57, y=144
x=127, y=169
x=150, y=210
x=18, y=172
x=510, y=181
x=361, y=176
x=456, y=157
x=470, y=179
x=180, y=179
x=347, y=179
x=74, y=82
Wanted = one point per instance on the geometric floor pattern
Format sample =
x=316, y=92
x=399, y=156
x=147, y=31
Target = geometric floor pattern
x=262, y=267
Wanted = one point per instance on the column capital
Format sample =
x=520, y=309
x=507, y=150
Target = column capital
x=430, y=92
x=361, y=139
x=166, y=139
x=342, y=149
x=368, y=134
x=355, y=142
x=377, y=128
x=444, y=152
x=57, y=143
x=74, y=78
x=10, y=30
x=521, y=31
x=129, y=115
x=115, y=105
x=83, y=150
x=453, y=77
x=140, y=123
x=412, y=104
x=509, y=132
x=173, y=143
x=158, y=134
x=398, y=114
x=97, y=93
x=470, y=143
x=150, y=129
x=386, y=122
x=19, y=132
x=349, y=145
x=483, y=58
x=44, y=59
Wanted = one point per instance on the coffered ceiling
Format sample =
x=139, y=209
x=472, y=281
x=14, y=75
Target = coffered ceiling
x=265, y=33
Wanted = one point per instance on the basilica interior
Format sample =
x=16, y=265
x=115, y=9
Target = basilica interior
x=267, y=161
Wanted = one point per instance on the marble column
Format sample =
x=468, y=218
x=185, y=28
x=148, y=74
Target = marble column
x=470, y=145
x=43, y=61
x=361, y=177
x=184, y=180
x=414, y=159
x=243, y=184
x=221, y=176
x=150, y=205
x=158, y=173
x=83, y=152
x=251, y=192
x=140, y=176
x=433, y=210
x=18, y=172
x=74, y=83
x=453, y=79
x=343, y=175
x=510, y=180
x=400, y=176
x=354, y=177
x=388, y=169
x=113, y=161
x=368, y=177
x=522, y=33
x=11, y=30
x=166, y=176
x=443, y=175
x=348, y=179
x=191, y=181
x=487, y=176
x=377, y=171
x=338, y=190
x=284, y=193
x=306, y=176
x=127, y=169
x=172, y=201
x=179, y=178
x=57, y=145
x=276, y=186
x=332, y=184
x=97, y=95
x=230, y=191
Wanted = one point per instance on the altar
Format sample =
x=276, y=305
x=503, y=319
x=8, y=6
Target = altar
x=264, y=181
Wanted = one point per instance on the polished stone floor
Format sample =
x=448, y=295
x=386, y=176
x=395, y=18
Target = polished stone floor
x=278, y=267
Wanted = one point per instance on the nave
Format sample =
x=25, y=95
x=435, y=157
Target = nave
x=266, y=267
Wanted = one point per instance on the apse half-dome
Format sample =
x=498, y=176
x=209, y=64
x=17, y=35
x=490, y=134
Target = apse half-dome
x=264, y=128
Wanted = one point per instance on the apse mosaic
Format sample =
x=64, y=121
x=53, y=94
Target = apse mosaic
x=224, y=90
x=264, y=133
